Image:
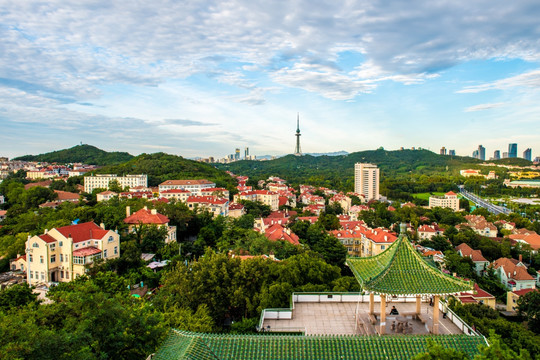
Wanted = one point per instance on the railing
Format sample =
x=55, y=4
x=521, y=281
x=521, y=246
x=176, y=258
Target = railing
x=452, y=316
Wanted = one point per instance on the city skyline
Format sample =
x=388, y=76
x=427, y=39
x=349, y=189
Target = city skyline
x=191, y=79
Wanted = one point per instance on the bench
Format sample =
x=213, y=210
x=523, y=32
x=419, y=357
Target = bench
x=422, y=319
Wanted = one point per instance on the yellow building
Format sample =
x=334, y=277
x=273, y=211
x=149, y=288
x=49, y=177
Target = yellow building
x=60, y=255
x=266, y=197
x=512, y=298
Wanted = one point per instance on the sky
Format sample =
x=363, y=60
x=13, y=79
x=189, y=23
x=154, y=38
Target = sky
x=201, y=78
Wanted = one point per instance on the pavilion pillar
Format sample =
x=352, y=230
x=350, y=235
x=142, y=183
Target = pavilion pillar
x=371, y=303
x=383, y=314
x=418, y=304
x=436, y=315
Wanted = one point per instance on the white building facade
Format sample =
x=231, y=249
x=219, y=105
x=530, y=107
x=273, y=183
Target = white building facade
x=366, y=180
x=101, y=181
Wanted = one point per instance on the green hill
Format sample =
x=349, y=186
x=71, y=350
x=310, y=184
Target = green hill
x=160, y=167
x=87, y=154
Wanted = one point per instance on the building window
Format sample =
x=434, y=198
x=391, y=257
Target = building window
x=53, y=258
x=30, y=258
x=60, y=243
x=67, y=274
x=53, y=246
x=36, y=245
x=31, y=275
x=78, y=260
x=42, y=275
x=41, y=259
x=105, y=253
x=62, y=274
x=116, y=250
x=111, y=239
x=61, y=257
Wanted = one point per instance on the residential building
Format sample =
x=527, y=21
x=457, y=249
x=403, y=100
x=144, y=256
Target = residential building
x=278, y=232
x=366, y=180
x=217, y=206
x=266, y=197
x=442, y=151
x=342, y=200
x=216, y=192
x=530, y=237
x=101, y=181
x=479, y=225
x=513, y=296
x=105, y=195
x=61, y=254
x=351, y=239
x=477, y=296
x=3, y=214
x=513, y=274
x=505, y=155
x=512, y=150
x=452, y=152
x=497, y=155
x=193, y=186
x=527, y=154
x=426, y=232
x=449, y=200
x=149, y=217
x=178, y=194
x=236, y=210
x=480, y=262
x=481, y=152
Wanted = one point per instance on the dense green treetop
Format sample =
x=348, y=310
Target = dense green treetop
x=87, y=154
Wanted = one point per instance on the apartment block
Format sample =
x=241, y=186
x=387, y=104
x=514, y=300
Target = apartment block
x=102, y=181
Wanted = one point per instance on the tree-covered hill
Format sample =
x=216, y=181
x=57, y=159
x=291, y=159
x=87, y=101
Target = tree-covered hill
x=338, y=171
x=87, y=154
x=160, y=167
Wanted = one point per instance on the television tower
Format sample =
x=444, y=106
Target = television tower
x=298, y=149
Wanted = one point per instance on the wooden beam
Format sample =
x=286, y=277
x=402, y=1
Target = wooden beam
x=383, y=314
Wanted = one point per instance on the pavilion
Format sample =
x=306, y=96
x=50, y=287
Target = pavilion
x=401, y=271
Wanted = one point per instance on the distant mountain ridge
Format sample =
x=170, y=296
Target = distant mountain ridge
x=87, y=154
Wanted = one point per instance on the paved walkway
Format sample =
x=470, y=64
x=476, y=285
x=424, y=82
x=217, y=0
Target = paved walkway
x=339, y=319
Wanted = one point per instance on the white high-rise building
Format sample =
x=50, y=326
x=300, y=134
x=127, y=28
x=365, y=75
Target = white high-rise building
x=102, y=181
x=366, y=180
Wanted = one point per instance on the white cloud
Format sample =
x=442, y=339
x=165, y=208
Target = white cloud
x=529, y=79
x=481, y=107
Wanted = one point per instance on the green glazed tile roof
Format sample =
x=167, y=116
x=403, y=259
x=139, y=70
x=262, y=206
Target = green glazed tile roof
x=401, y=270
x=183, y=345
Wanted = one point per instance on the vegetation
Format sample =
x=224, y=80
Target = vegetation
x=86, y=154
x=160, y=167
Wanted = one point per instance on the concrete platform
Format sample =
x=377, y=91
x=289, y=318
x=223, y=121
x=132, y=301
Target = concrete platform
x=339, y=319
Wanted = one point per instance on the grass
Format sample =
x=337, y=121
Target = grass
x=425, y=196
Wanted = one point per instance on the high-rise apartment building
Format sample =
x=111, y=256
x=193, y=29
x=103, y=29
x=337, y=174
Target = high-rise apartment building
x=527, y=154
x=497, y=155
x=505, y=155
x=452, y=152
x=366, y=180
x=443, y=151
x=246, y=153
x=237, y=154
x=512, y=150
x=481, y=152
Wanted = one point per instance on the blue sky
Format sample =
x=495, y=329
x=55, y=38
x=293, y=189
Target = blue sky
x=200, y=78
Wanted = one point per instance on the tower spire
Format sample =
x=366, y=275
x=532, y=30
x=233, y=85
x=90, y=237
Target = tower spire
x=298, y=149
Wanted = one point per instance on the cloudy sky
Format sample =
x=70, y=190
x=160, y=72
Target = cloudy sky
x=199, y=78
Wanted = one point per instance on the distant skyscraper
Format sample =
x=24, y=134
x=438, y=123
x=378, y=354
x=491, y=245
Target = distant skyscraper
x=496, y=155
x=298, y=149
x=443, y=151
x=246, y=153
x=512, y=150
x=481, y=152
x=452, y=152
x=366, y=180
x=505, y=155
x=237, y=154
x=475, y=154
x=527, y=154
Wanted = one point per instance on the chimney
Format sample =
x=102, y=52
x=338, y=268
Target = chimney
x=153, y=211
x=520, y=258
x=128, y=211
x=102, y=225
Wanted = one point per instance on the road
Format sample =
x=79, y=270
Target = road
x=494, y=209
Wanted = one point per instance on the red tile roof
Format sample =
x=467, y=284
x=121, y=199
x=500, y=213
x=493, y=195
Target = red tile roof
x=451, y=193
x=206, y=200
x=277, y=232
x=47, y=238
x=87, y=251
x=145, y=216
x=532, y=239
x=523, y=291
x=82, y=232
x=186, y=182
x=467, y=251
x=510, y=267
x=66, y=196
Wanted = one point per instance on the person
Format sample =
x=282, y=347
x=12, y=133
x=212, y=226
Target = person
x=394, y=311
